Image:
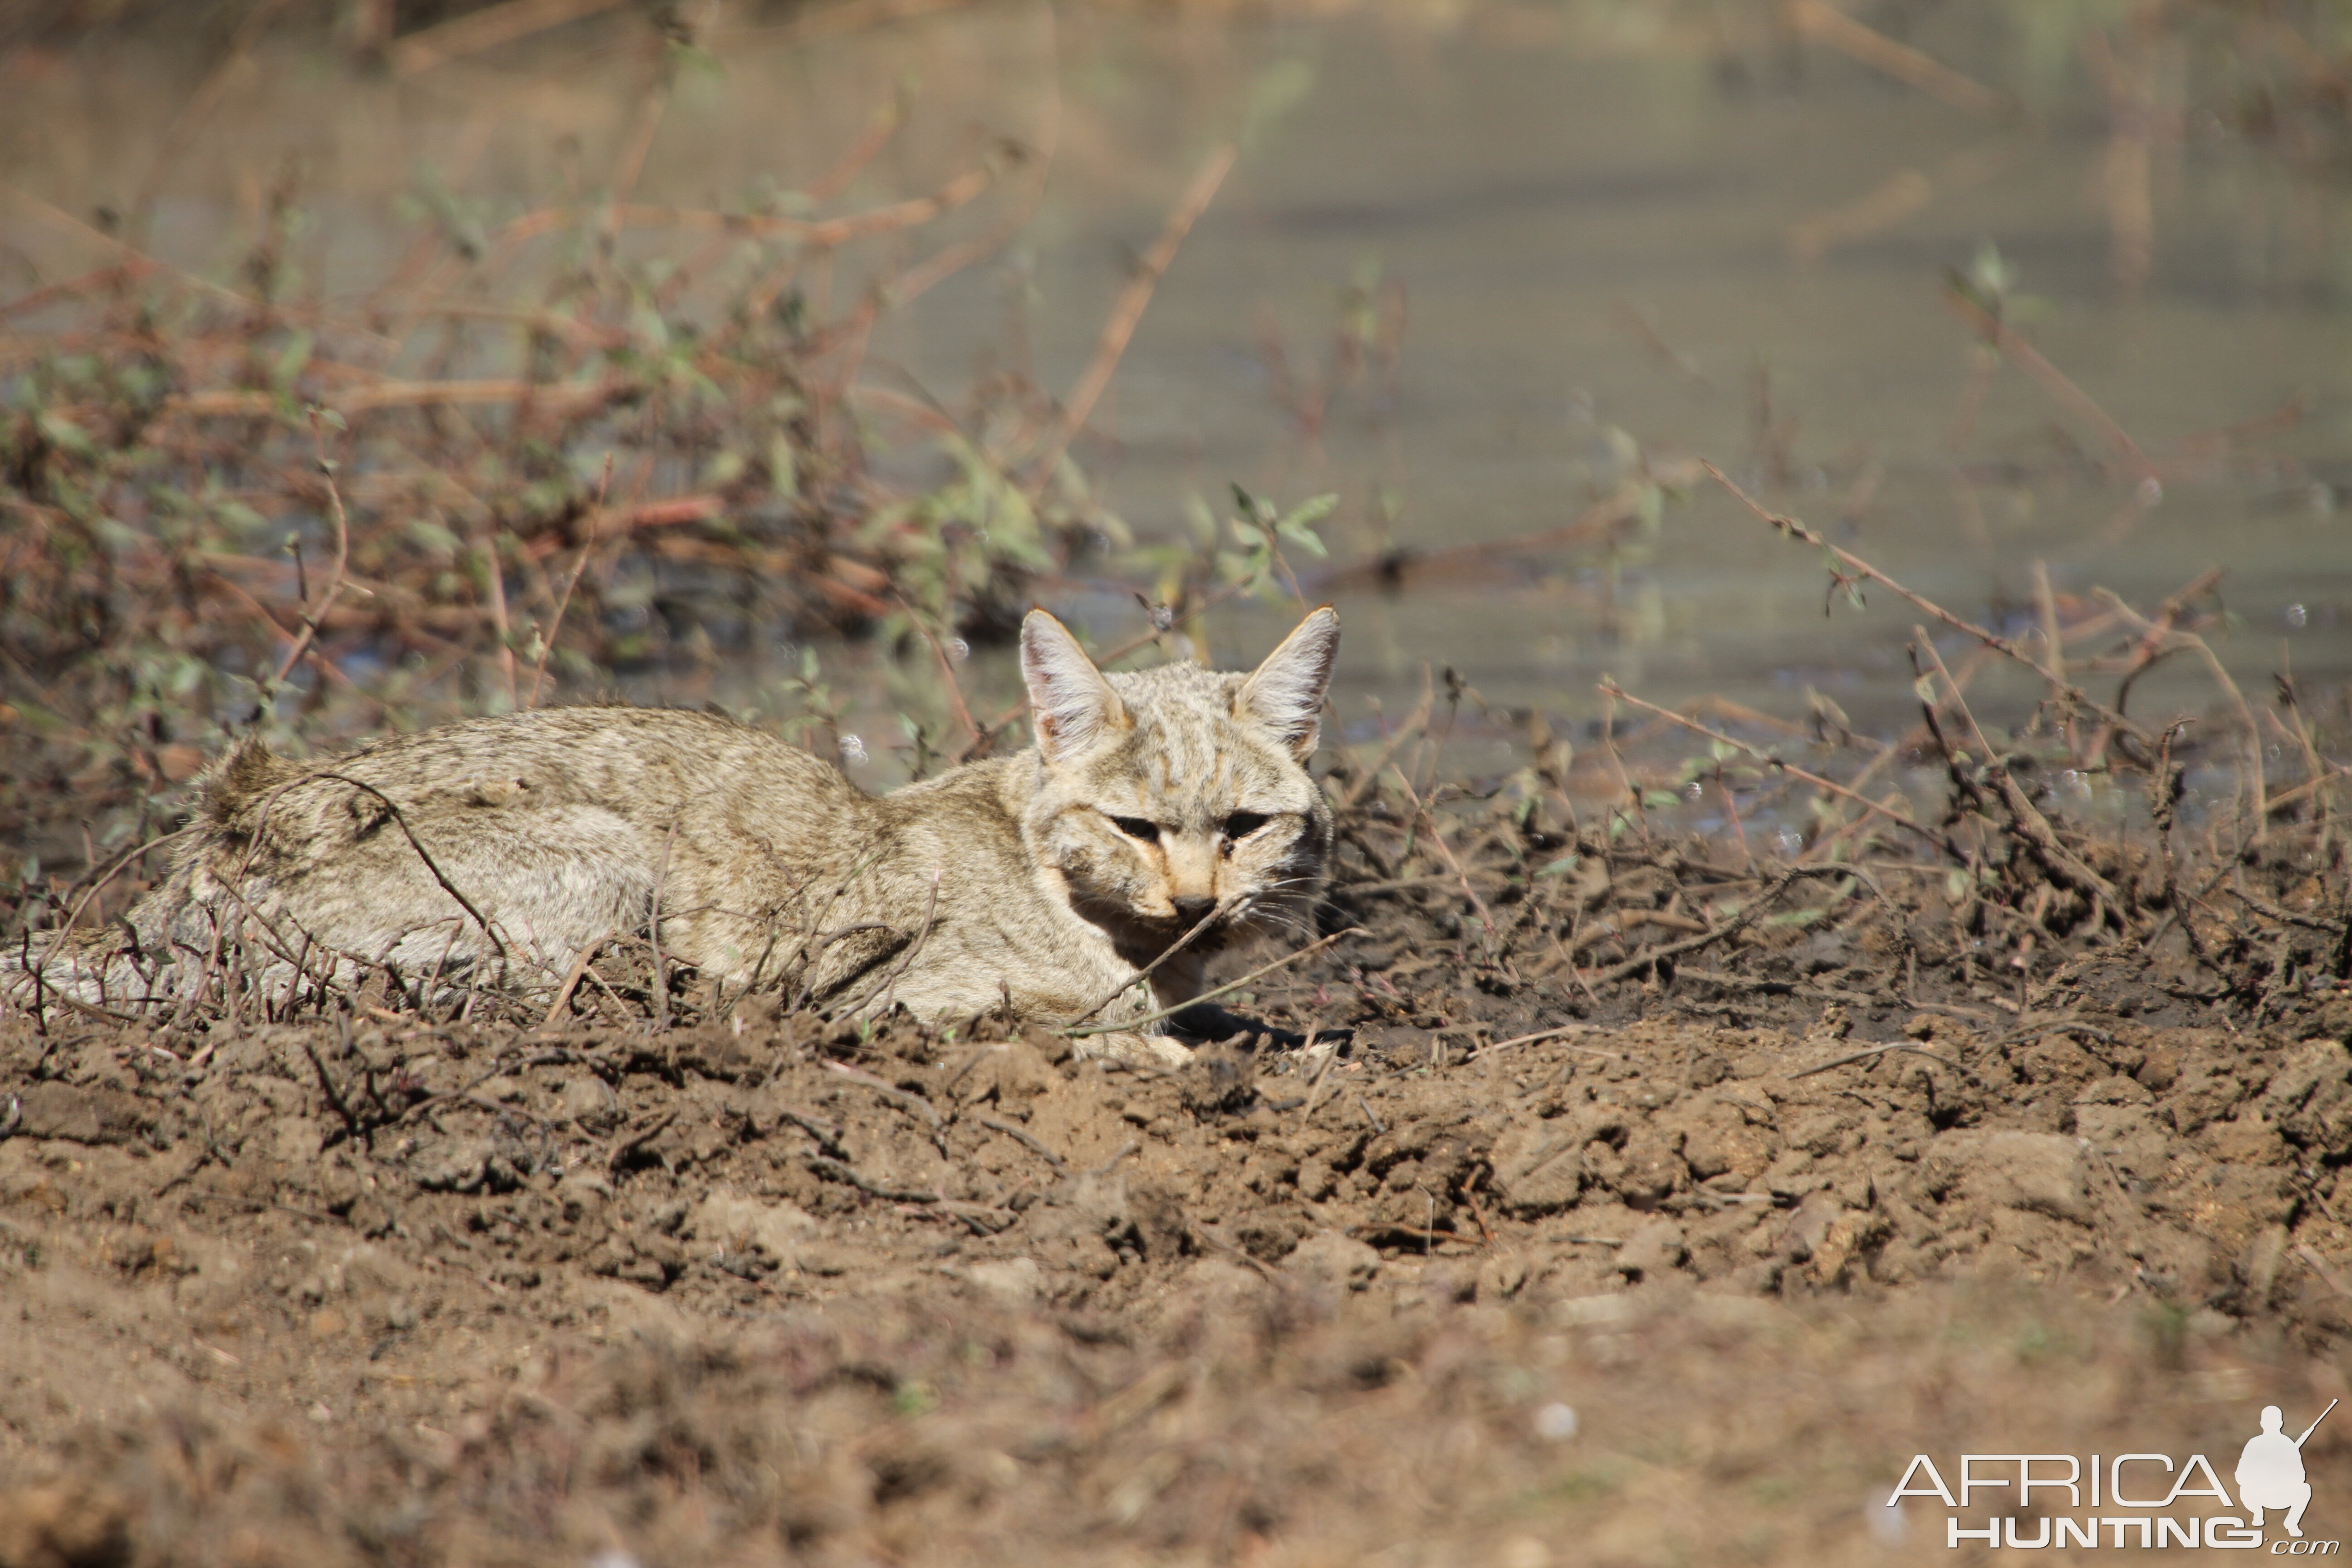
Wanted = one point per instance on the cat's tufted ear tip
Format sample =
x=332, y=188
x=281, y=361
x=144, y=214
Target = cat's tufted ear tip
x=1070, y=704
x=1286, y=692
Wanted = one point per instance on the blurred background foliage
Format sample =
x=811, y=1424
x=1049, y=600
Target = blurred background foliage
x=503, y=420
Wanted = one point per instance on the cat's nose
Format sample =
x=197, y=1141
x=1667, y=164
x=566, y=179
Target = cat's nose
x=1191, y=913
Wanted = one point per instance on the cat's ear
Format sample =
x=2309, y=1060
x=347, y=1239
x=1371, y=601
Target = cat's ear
x=1070, y=704
x=1286, y=692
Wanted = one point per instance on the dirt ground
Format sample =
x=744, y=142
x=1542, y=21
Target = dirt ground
x=1588, y=1198
x=1685, y=1281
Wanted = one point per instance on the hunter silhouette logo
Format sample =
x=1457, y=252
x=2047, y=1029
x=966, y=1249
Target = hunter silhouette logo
x=2270, y=1471
x=2128, y=1499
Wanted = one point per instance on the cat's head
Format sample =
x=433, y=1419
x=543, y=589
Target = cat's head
x=1166, y=795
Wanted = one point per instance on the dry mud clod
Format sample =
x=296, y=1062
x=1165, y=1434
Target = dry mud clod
x=709, y=1283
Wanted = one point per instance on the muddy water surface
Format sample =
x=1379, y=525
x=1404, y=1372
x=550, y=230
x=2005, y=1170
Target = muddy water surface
x=1588, y=236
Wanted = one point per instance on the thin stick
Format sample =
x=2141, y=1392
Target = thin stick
x=898, y=1097
x=1128, y=310
x=1438, y=836
x=1551, y=1035
x=1899, y=60
x=834, y=1170
x=475, y=32
x=814, y=234
x=880, y=127
x=1650, y=957
x=1413, y=724
x=1308, y=951
x=430, y=865
x=73, y=916
x=1608, y=745
x=327, y=668
x=1191, y=618
x=1322, y=1070
x=133, y=261
x=1145, y=972
x=628, y=1143
x=1796, y=530
x=495, y=573
x=2204, y=650
x=1021, y=1136
x=2321, y=774
x=313, y=615
x=1986, y=752
x=587, y=545
x=200, y=107
x=571, y=981
x=1879, y=1051
x=2320, y=1267
x=2046, y=603
x=930, y=917
x=956, y=707
x=1610, y=688
x=2051, y=379
x=2151, y=647
x=631, y=163
x=661, y=971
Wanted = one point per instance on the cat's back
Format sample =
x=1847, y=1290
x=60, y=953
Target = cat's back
x=637, y=763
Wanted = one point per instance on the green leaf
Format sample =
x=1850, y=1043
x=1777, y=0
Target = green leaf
x=784, y=468
x=1279, y=89
x=1303, y=537
x=64, y=435
x=1309, y=513
x=432, y=536
x=291, y=362
x=1990, y=276
x=725, y=467
x=1200, y=521
x=1561, y=867
x=1650, y=511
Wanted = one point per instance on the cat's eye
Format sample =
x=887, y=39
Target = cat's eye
x=1138, y=827
x=1242, y=824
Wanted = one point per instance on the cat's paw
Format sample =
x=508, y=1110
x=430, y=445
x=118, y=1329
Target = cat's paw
x=1163, y=1052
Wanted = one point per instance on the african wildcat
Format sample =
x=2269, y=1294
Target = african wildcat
x=500, y=850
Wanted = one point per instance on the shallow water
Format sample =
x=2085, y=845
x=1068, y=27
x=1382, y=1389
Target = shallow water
x=1531, y=185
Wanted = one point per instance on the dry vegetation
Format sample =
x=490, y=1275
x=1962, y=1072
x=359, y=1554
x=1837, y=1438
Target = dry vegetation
x=1525, y=1223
